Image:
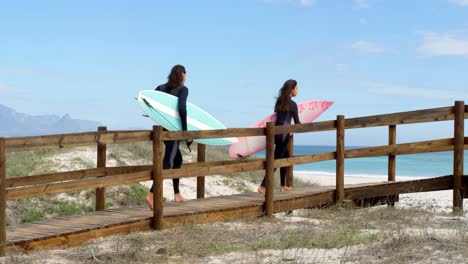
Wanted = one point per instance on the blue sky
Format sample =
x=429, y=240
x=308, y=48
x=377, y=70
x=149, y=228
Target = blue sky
x=90, y=58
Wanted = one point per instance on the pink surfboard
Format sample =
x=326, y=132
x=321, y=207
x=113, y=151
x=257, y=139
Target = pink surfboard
x=308, y=112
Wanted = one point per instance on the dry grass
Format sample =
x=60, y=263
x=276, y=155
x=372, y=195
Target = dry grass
x=333, y=235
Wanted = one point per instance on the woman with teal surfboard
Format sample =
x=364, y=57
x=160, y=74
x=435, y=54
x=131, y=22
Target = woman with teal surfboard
x=172, y=155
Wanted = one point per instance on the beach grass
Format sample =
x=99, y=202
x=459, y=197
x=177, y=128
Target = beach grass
x=370, y=235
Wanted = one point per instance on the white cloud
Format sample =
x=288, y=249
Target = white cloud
x=443, y=44
x=361, y=4
x=367, y=47
x=9, y=89
x=460, y=2
x=405, y=91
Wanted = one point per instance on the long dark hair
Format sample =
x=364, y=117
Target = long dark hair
x=282, y=101
x=175, y=77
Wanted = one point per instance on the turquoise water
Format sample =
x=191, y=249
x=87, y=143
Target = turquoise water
x=419, y=165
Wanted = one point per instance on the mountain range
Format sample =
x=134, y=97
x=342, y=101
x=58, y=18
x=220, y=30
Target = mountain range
x=15, y=124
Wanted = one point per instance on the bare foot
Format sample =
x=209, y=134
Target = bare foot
x=285, y=188
x=261, y=189
x=178, y=198
x=149, y=200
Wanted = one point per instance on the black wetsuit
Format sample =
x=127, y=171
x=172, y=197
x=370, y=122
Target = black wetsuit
x=172, y=154
x=282, y=140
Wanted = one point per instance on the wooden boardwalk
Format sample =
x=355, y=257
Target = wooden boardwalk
x=75, y=230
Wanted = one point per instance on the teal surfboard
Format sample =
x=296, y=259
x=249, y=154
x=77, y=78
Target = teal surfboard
x=163, y=109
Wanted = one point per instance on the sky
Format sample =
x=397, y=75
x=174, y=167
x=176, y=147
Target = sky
x=91, y=58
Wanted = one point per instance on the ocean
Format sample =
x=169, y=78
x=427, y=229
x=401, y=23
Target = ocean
x=412, y=165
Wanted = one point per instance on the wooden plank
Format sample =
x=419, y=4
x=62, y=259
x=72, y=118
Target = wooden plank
x=74, y=175
x=101, y=163
x=2, y=196
x=55, y=177
x=216, y=216
x=269, y=168
x=217, y=133
x=17, y=230
x=201, y=149
x=458, y=150
x=302, y=159
x=51, y=141
x=308, y=127
x=400, y=149
x=213, y=204
x=75, y=140
x=411, y=117
x=79, y=238
x=84, y=184
x=340, y=155
x=398, y=187
x=319, y=198
x=158, y=211
x=234, y=166
x=113, y=137
x=127, y=169
x=69, y=225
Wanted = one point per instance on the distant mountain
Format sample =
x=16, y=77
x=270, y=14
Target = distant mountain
x=14, y=124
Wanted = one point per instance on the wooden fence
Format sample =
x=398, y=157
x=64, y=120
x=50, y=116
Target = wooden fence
x=103, y=176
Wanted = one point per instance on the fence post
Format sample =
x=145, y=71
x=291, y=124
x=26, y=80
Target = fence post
x=340, y=131
x=458, y=148
x=289, y=177
x=391, y=157
x=392, y=163
x=201, y=150
x=269, y=167
x=157, y=178
x=101, y=162
x=2, y=197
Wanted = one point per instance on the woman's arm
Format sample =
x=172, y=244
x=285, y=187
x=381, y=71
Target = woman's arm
x=183, y=94
x=295, y=113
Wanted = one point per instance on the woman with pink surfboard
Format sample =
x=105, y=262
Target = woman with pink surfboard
x=286, y=110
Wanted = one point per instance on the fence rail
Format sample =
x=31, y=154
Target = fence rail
x=113, y=137
x=102, y=176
